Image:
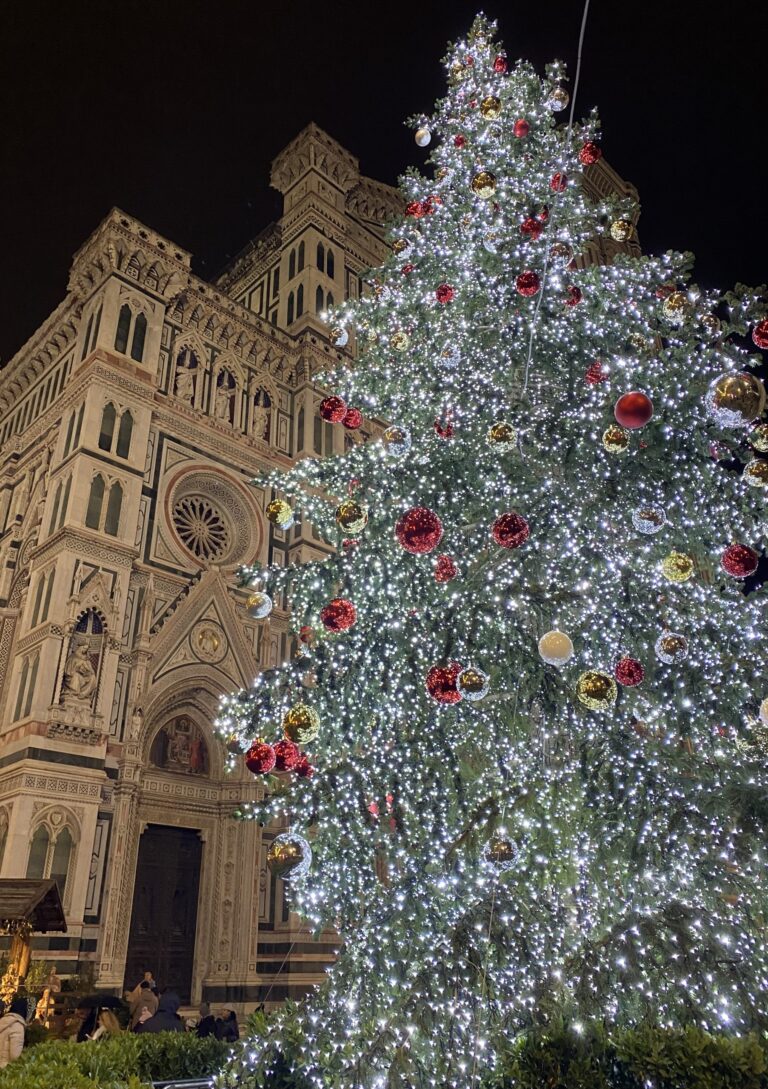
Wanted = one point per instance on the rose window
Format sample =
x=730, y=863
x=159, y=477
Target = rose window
x=201, y=527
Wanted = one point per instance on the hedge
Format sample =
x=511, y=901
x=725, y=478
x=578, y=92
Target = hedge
x=127, y=1061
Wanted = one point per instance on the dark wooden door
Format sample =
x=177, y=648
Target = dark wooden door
x=164, y=915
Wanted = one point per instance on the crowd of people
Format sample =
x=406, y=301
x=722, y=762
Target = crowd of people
x=148, y=1010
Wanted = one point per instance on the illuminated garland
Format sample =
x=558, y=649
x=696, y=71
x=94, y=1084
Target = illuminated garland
x=496, y=524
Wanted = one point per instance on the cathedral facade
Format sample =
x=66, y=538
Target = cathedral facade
x=131, y=425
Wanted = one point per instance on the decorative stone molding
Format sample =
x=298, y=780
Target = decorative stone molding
x=79, y=735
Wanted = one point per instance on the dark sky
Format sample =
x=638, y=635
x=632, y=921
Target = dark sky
x=173, y=110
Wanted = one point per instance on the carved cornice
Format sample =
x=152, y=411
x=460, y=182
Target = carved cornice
x=252, y=260
x=85, y=543
x=374, y=202
x=46, y=345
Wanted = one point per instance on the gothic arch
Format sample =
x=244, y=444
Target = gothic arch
x=194, y=344
x=226, y=361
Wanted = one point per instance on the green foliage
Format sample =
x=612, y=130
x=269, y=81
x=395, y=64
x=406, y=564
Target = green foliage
x=561, y=1058
x=126, y=1061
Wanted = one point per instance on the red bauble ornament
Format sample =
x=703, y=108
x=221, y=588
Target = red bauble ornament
x=739, y=560
x=664, y=290
x=633, y=410
x=500, y=63
x=352, y=418
x=415, y=209
x=444, y=429
x=629, y=672
x=590, y=153
x=510, y=530
x=339, y=614
x=543, y=215
x=527, y=283
x=407, y=269
x=444, y=293
x=575, y=295
x=760, y=334
x=459, y=140
x=595, y=374
x=349, y=543
x=260, y=758
x=419, y=530
x=445, y=569
x=558, y=182
x=531, y=228
x=441, y=683
x=287, y=755
x=304, y=769
x=333, y=409
x=306, y=634
x=521, y=128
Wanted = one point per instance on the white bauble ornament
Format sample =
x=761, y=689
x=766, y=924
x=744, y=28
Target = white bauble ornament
x=422, y=136
x=555, y=647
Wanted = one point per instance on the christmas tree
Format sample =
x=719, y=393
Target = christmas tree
x=522, y=738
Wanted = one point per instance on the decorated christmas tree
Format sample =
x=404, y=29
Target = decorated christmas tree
x=521, y=742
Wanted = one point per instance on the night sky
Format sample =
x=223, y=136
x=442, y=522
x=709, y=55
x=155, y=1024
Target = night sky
x=174, y=109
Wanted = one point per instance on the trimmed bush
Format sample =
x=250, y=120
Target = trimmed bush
x=127, y=1061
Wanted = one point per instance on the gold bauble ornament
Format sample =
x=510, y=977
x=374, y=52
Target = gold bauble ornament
x=758, y=438
x=301, y=724
x=596, y=690
x=616, y=439
x=639, y=342
x=484, y=184
x=401, y=245
x=289, y=856
x=756, y=473
x=710, y=324
x=677, y=567
x=441, y=173
x=558, y=99
x=676, y=308
x=490, y=107
x=621, y=230
x=555, y=647
x=400, y=341
x=351, y=516
x=735, y=400
x=279, y=513
x=502, y=436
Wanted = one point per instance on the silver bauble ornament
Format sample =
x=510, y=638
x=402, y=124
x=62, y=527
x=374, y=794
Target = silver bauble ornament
x=649, y=519
x=289, y=856
x=422, y=136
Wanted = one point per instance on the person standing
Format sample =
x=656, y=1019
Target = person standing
x=227, y=1028
x=13, y=1026
x=146, y=1000
x=206, y=1026
x=167, y=1017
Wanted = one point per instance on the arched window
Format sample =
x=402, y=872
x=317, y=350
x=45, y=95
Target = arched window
x=124, y=434
x=329, y=264
x=300, y=301
x=64, y=503
x=139, y=334
x=38, y=852
x=38, y=601
x=114, y=504
x=62, y=854
x=21, y=690
x=292, y=265
x=31, y=682
x=290, y=307
x=123, y=328
x=78, y=426
x=55, y=511
x=107, y=432
x=320, y=257
x=301, y=257
x=318, y=300
x=70, y=429
x=95, y=500
x=87, y=336
x=329, y=301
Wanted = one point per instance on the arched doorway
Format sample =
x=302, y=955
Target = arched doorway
x=166, y=894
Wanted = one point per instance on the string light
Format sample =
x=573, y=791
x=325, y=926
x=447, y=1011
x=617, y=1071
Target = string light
x=635, y=827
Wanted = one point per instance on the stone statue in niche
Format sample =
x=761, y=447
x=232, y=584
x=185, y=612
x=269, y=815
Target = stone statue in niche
x=179, y=747
x=221, y=403
x=260, y=418
x=81, y=668
x=184, y=387
x=79, y=675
